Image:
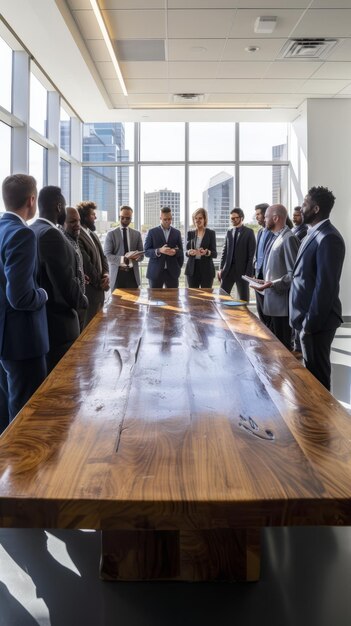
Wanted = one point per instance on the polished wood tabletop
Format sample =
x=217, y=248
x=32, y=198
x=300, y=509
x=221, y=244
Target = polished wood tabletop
x=177, y=410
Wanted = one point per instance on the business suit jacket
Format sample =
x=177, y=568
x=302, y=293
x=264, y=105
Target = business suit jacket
x=300, y=231
x=23, y=324
x=57, y=275
x=114, y=250
x=279, y=264
x=314, y=296
x=155, y=239
x=244, y=253
x=209, y=243
x=95, y=265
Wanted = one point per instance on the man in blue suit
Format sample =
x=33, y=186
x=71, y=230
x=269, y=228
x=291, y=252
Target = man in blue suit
x=315, y=308
x=23, y=327
x=164, y=248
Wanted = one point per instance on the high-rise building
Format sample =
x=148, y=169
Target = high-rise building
x=155, y=200
x=107, y=186
x=280, y=175
x=218, y=200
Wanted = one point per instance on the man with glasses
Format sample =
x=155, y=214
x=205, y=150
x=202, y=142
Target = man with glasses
x=237, y=256
x=124, y=251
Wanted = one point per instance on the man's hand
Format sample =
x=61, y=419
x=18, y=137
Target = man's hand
x=167, y=250
x=105, y=282
x=219, y=275
x=261, y=284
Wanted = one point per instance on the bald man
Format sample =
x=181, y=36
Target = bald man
x=278, y=268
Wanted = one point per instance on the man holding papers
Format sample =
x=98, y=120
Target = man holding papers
x=279, y=261
x=124, y=250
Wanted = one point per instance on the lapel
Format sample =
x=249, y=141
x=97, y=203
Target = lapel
x=308, y=240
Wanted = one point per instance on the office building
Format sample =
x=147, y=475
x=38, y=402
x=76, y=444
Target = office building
x=155, y=200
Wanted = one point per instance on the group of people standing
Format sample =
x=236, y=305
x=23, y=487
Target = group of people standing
x=54, y=274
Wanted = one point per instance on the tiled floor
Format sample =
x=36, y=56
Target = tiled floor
x=51, y=578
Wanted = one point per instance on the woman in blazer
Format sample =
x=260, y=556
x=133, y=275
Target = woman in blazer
x=200, y=250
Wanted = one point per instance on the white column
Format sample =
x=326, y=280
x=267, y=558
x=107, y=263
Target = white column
x=20, y=108
x=54, y=137
x=323, y=137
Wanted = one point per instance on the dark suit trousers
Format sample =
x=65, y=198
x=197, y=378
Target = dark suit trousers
x=200, y=277
x=241, y=285
x=259, y=306
x=164, y=279
x=316, y=354
x=126, y=279
x=19, y=380
x=281, y=328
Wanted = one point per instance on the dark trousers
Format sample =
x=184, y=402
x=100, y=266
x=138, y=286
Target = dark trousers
x=200, y=277
x=281, y=329
x=164, y=279
x=242, y=286
x=259, y=306
x=56, y=353
x=18, y=381
x=316, y=354
x=126, y=279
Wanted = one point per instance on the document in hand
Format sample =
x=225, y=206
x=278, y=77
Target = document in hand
x=253, y=282
x=133, y=253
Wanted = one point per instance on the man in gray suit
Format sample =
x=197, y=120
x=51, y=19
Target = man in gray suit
x=124, y=272
x=278, y=267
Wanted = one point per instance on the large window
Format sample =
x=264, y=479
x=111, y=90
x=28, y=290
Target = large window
x=211, y=142
x=162, y=186
x=38, y=106
x=162, y=142
x=263, y=142
x=38, y=163
x=65, y=180
x=6, y=75
x=65, y=131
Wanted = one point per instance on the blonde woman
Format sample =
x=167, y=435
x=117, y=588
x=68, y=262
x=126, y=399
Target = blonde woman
x=200, y=250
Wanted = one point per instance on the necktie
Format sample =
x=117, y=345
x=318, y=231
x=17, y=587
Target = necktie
x=235, y=239
x=125, y=243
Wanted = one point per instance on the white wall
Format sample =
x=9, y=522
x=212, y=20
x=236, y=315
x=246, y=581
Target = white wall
x=322, y=133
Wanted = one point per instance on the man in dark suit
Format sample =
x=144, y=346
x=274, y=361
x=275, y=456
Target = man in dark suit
x=24, y=338
x=237, y=256
x=300, y=228
x=94, y=261
x=315, y=308
x=124, y=272
x=163, y=246
x=57, y=274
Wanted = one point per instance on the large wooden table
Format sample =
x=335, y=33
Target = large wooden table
x=180, y=427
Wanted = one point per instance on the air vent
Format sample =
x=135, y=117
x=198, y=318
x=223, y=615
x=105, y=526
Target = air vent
x=189, y=98
x=307, y=49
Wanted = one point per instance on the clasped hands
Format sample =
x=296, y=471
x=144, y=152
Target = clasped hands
x=200, y=251
x=167, y=250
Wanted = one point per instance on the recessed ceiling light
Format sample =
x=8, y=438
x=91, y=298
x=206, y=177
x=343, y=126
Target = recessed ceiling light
x=252, y=48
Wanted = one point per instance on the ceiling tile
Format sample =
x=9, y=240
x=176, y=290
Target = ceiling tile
x=135, y=24
x=292, y=69
x=98, y=50
x=87, y=24
x=268, y=49
x=144, y=69
x=136, y=85
x=228, y=98
x=193, y=69
x=236, y=69
x=342, y=52
x=192, y=85
x=200, y=23
x=239, y=4
x=324, y=23
x=331, y=4
x=278, y=99
x=112, y=85
x=79, y=4
x=106, y=70
x=244, y=22
x=195, y=49
x=345, y=91
x=120, y=102
x=334, y=70
x=323, y=86
x=131, y=4
x=154, y=98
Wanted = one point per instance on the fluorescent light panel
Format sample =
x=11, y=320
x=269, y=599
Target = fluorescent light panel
x=104, y=32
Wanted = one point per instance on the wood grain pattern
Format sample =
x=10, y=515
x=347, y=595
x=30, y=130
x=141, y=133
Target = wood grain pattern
x=174, y=412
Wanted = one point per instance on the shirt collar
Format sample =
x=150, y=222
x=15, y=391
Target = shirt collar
x=311, y=229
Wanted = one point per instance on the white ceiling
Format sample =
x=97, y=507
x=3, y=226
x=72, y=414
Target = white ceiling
x=205, y=43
